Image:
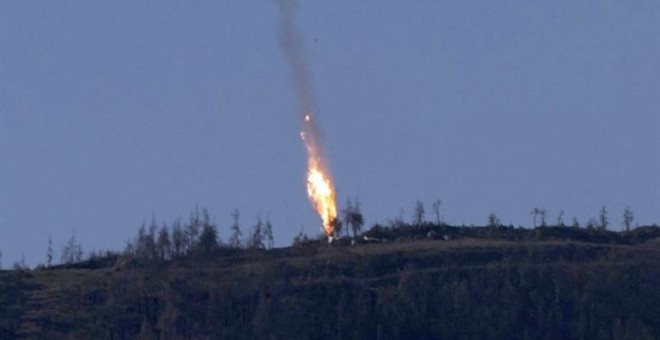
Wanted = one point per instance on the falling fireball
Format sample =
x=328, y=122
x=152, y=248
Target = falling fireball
x=320, y=189
x=322, y=194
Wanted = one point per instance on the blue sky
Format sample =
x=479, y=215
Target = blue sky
x=113, y=111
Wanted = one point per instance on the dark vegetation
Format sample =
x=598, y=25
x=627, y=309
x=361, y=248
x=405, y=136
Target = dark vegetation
x=414, y=281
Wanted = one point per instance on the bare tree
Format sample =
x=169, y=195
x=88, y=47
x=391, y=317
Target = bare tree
x=192, y=229
x=72, y=251
x=493, y=221
x=145, y=244
x=603, y=218
x=353, y=217
x=268, y=234
x=236, y=234
x=50, y=253
x=178, y=239
x=208, y=238
x=257, y=237
x=337, y=227
x=357, y=220
x=163, y=243
x=347, y=214
x=560, y=218
x=628, y=218
x=418, y=214
x=436, y=210
x=542, y=214
x=535, y=213
x=152, y=250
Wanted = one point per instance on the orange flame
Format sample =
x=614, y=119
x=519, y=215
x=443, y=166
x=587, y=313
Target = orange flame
x=320, y=189
x=322, y=195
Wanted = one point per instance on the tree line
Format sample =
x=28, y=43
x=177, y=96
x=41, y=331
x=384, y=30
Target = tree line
x=198, y=235
x=539, y=218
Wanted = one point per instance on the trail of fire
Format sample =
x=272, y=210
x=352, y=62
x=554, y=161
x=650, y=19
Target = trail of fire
x=320, y=189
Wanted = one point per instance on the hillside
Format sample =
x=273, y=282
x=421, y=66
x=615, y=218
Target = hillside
x=409, y=282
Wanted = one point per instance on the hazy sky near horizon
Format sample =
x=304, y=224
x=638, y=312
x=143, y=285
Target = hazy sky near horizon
x=111, y=112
